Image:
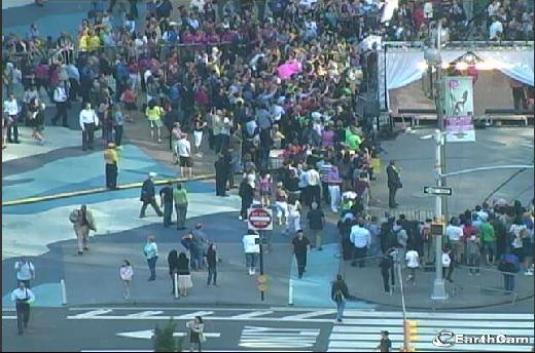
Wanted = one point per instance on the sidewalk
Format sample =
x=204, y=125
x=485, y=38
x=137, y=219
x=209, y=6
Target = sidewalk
x=465, y=292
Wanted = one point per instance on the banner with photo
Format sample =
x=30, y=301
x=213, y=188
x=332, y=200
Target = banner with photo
x=458, y=105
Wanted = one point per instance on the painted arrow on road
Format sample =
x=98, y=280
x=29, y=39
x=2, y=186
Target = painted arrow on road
x=147, y=334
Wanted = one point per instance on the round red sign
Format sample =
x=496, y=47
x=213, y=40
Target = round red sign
x=260, y=218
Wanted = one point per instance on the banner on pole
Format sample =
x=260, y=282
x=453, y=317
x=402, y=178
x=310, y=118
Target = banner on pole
x=458, y=105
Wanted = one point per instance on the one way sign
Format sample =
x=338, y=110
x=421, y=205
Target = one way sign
x=437, y=190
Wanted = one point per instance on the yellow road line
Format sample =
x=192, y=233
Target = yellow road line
x=63, y=195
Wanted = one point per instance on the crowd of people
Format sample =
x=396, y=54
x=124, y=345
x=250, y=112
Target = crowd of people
x=275, y=100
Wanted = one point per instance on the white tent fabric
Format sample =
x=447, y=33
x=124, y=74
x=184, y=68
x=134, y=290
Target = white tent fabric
x=404, y=66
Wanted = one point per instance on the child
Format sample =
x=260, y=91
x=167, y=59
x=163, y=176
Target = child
x=126, y=272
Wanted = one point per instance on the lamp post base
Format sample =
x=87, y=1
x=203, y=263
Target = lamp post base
x=439, y=290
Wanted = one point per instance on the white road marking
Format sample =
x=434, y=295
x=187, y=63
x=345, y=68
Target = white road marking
x=91, y=314
x=9, y=317
x=147, y=334
x=192, y=315
x=275, y=337
x=146, y=314
x=308, y=315
x=253, y=314
x=363, y=334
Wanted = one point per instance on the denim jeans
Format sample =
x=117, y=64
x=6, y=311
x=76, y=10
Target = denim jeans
x=152, y=266
x=212, y=274
x=181, y=211
x=250, y=260
x=340, y=306
x=509, y=282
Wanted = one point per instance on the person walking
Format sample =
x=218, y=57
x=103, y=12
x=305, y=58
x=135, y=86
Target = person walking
x=196, y=333
x=151, y=254
x=301, y=247
x=88, y=122
x=126, y=272
x=211, y=261
x=413, y=262
x=265, y=183
x=118, y=119
x=316, y=223
x=22, y=297
x=154, y=115
x=184, y=274
x=183, y=151
x=339, y=294
x=387, y=269
x=36, y=116
x=294, y=215
x=111, y=158
x=509, y=265
x=180, y=196
x=361, y=239
x=11, y=111
x=172, y=261
x=281, y=205
x=222, y=166
x=246, y=193
x=166, y=202
x=385, y=344
x=62, y=105
x=393, y=182
x=148, y=196
x=251, y=247
x=25, y=271
x=83, y=222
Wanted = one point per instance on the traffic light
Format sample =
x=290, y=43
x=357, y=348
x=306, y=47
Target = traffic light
x=410, y=330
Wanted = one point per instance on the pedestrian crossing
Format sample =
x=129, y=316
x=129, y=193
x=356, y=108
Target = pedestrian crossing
x=361, y=331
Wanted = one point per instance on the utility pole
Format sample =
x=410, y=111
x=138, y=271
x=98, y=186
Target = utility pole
x=439, y=286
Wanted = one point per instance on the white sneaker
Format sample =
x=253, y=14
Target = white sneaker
x=528, y=273
x=240, y=218
x=254, y=272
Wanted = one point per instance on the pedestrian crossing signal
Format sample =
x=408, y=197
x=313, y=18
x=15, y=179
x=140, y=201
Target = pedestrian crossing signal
x=410, y=329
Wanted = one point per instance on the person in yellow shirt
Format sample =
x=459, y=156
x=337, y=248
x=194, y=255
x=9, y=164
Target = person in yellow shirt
x=93, y=42
x=112, y=158
x=154, y=115
x=83, y=42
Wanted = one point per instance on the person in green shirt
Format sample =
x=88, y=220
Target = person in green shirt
x=180, y=196
x=353, y=140
x=488, y=241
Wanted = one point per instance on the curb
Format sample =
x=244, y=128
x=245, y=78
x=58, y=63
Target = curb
x=30, y=200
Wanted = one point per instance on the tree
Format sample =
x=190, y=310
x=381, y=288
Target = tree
x=164, y=341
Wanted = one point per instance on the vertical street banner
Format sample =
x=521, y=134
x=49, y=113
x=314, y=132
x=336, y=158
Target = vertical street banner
x=458, y=105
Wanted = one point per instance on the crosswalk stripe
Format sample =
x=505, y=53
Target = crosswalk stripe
x=430, y=330
x=441, y=323
x=427, y=347
x=425, y=315
x=253, y=314
x=360, y=331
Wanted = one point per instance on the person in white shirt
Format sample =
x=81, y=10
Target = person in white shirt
x=126, y=272
x=22, y=297
x=413, y=262
x=313, y=189
x=454, y=232
x=361, y=239
x=60, y=98
x=294, y=215
x=251, y=247
x=183, y=151
x=495, y=29
x=88, y=123
x=25, y=271
x=12, y=110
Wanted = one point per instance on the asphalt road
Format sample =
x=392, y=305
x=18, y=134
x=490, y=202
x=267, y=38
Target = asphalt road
x=62, y=329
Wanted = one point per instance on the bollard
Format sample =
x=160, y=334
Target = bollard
x=291, y=292
x=63, y=292
x=175, y=278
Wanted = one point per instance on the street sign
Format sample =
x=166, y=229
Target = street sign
x=260, y=219
x=437, y=229
x=436, y=190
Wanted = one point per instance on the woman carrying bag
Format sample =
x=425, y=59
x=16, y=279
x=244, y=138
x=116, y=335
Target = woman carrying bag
x=196, y=333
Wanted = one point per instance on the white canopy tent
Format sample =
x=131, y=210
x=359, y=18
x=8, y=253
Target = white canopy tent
x=403, y=66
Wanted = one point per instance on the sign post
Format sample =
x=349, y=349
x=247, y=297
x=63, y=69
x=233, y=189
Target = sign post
x=261, y=219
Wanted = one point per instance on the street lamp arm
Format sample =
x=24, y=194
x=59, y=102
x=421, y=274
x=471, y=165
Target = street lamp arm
x=482, y=169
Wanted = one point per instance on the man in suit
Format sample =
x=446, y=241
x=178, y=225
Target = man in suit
x=148, y=196
x=394, y=183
